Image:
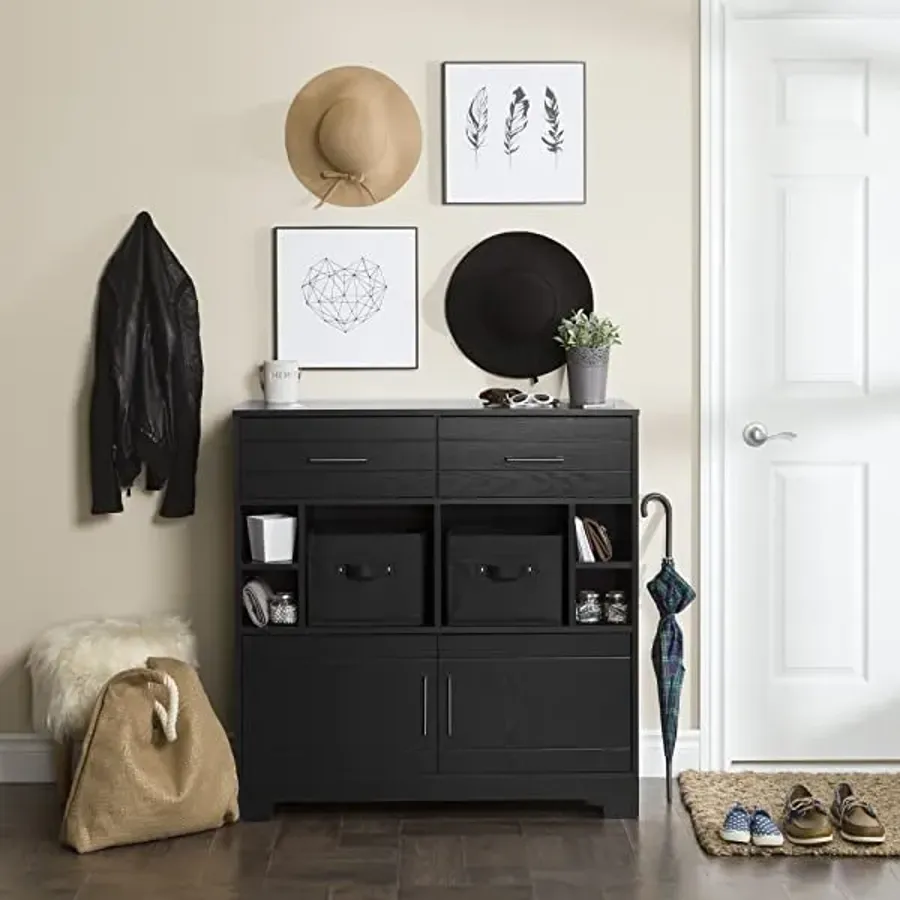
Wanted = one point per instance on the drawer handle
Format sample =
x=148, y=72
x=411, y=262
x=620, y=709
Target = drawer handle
x=535, y=459
x=363, y=572
x=340, y=460
x=424, y=706
x=505, y=573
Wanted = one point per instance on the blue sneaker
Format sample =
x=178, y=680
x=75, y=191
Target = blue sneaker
x=736, y=827
x=763, y=831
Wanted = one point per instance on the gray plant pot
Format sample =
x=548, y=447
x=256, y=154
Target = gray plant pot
x=587, y=368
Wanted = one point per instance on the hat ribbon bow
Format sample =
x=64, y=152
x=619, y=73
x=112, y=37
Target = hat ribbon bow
x=336, y=178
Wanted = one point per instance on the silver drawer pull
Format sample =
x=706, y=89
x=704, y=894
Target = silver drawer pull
x=337, y=459
x=535, y=459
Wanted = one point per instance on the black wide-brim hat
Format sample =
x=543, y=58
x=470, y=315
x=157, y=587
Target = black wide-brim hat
x=506, y=298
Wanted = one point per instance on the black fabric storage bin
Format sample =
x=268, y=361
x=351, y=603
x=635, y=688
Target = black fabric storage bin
x=366, y=579
x=503, y=579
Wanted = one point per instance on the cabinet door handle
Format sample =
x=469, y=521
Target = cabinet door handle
x=449, y=706
x=318, y=460
x=535, y=459
x=424, y=706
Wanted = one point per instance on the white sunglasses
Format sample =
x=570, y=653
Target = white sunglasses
x=522, y=399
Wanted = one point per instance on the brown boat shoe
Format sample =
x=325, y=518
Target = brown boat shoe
x=806, y=821
x=856, y=820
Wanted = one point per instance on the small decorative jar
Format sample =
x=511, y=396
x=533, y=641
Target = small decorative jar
x=283, y=609
x=615, y=608
x=588, y=610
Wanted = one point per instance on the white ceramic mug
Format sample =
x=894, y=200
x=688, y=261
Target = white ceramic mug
x=280, y=380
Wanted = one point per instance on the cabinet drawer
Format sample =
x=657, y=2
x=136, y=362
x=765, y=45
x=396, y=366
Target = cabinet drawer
x=536, y=457
x=338, y=428
x=337, y=456
x=519, y=456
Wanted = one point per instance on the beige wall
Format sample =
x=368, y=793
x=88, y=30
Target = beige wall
x=109, y=106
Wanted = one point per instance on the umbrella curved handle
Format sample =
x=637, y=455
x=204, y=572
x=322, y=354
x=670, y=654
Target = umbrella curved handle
x=666, y=504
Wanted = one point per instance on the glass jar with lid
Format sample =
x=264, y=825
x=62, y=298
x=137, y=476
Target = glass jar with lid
x=615, y=608
x=588, y=610
x=283, y=609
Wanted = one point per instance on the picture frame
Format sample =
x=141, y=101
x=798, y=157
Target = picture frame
x=514, y=133
x=346, y=297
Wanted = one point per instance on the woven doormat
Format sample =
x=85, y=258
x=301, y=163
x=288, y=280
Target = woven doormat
x=708, y=795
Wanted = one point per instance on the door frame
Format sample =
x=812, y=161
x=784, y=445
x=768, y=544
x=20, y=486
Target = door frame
x=715, y=16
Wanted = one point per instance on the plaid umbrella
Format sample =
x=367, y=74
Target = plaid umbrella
x=672, y=594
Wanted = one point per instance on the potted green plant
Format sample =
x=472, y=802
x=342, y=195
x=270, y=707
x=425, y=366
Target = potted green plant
x=587, y=340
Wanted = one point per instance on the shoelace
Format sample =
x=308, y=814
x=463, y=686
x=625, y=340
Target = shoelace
x=803, y=805
x=848, y=804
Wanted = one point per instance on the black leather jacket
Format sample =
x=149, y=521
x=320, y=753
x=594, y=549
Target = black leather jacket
x=148, y=375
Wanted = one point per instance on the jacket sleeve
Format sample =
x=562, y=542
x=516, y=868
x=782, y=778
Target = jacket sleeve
x=181, y=490
x=106, y=495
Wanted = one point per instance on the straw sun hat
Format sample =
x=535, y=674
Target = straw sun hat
x=353, y=136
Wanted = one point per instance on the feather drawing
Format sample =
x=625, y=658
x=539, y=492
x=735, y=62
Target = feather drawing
x=516, y=122
x=554, y=134
x=477, y=122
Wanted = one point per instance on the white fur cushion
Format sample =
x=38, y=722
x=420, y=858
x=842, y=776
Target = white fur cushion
x=70, y=663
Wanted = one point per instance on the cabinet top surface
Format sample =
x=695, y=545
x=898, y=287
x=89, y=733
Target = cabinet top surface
x=423, y=407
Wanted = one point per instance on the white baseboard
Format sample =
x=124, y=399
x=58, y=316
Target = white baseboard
x=25, y=759
x=28, y=758
x=653, y=760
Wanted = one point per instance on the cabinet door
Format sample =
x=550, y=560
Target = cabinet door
x=512, y=706
x=319, y=710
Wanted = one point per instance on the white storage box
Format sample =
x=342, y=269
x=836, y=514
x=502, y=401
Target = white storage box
x=272, y=537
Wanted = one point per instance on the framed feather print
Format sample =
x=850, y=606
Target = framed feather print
x=514, y=132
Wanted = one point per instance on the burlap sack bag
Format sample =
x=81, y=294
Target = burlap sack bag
x=155, y=763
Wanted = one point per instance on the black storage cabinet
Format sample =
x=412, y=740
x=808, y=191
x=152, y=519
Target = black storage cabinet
x=365, y=578
x=437, y=654
x=504, y=579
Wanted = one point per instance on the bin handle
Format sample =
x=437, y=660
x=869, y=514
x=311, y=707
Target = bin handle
x=363, y=571
x=505, y=573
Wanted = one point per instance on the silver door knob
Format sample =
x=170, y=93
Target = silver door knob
x=756, y=434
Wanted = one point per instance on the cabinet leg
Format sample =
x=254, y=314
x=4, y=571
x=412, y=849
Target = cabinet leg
x=618, y=802
x=254, y=807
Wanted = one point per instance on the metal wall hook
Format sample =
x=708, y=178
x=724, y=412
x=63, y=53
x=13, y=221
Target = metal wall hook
x=666, y=504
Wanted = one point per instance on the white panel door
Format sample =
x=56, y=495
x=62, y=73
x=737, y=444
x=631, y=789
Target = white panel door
x=812, y=346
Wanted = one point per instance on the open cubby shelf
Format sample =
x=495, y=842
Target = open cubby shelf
x=319, y=522
x=619, y=521
x=246, y=559
x=437, y=523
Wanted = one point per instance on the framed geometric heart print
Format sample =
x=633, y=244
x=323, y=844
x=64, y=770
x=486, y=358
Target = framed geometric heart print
x=347, y=298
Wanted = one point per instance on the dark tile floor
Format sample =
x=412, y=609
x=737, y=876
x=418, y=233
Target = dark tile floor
x=415, y=854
